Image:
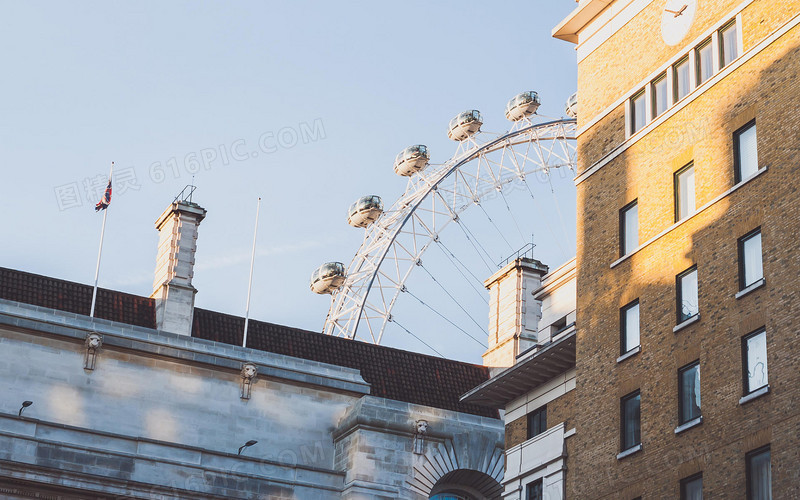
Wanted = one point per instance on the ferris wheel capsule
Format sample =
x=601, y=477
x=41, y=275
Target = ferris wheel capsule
x=327, y=278
x=522, y=105
x=411, y=160
x=571, y=107
x=465, y=125
x=365, y=211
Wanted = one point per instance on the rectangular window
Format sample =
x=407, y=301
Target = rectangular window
x=638, y=112
x=629, y=323
x=681, y=79
x=535, y=490
x=629, y=228
x=745, y=152
x=687, y=295
x=692, y=487
x=751, y=267
x=759, y=475
x=728, y=44
x=537, y=421
x=754, y=360
x=659, y=93
x=630, y=419
x=689, y=392
x=704, y=55
x=684, y=192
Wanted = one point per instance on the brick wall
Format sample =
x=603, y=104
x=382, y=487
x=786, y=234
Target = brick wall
x=766, y=87
x=558, y=410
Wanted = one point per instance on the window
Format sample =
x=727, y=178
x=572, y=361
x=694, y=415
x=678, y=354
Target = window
x=681, y=79
x=751, y=267
x=638, y=112
x=692, y=487
x=689, y=393
x=687, y=295
x=629, y=228
x=534, y=490
x=630, y=418
x=684, y=192
x=754, y=360
x=745, y=160
x=704, y=56
x=759, y=475
x=659, y=93
x=728, y=44
x=629, y=326
x=537, y=421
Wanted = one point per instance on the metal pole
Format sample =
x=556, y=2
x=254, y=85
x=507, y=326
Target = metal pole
x=250, y=281
x=100, y=251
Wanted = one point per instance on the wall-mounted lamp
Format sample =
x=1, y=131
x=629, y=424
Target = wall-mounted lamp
x=94, y=341
x=249, y=372
x=247, y=445
x=25, y=404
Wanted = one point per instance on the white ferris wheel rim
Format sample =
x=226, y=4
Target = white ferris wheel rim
x=350, y=306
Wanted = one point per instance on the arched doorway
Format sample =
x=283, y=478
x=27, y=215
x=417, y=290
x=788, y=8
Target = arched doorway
x=466, y=484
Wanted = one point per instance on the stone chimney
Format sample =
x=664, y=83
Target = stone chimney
x=172, y=287
x=514, y=314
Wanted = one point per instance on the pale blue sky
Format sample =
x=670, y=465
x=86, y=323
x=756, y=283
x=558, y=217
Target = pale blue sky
x=85, y=83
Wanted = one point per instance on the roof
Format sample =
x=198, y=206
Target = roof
x=392, y=373
x=577, y=19
x=550, y=360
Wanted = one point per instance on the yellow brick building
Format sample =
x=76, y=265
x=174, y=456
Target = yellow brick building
x=688, y=270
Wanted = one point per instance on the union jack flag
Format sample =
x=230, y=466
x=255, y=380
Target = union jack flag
x=105, y=201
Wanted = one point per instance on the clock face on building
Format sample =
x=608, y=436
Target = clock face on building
x=676, y=19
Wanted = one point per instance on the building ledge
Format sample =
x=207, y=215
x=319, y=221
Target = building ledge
x=587, y=10
x=636, y=350
x=754, y=395
x=550, y=360
x=690, y=217
x=629, y=451
x=179, y=348
x=684, y=324
x=688, y=425
x=755, y=286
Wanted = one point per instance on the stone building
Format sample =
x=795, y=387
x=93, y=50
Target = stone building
x=536, y=389
x=155, y=398
x=687, y=376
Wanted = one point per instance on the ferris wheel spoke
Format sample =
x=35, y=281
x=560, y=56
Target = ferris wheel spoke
x=467, y=233
x=495, y=227
x=453, y=259
x=438, y=313
x=455, y=301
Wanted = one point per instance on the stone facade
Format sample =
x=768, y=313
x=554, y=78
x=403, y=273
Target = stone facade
x=617, y=168
x=162, y=416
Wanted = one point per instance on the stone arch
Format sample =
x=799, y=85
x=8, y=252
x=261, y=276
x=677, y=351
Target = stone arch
x=470, y=484
x=468, y=463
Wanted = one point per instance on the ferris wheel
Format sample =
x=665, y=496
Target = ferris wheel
x=484, y=166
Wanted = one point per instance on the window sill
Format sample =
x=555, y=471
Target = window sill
x=689, y=217
x=629, y=451
x=629, y=354
x=688, y=425
x=681, y=326
x=754, y=395
x=755, y=286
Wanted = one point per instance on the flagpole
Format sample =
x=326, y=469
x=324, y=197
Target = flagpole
x=250, y=282
x=100, y=251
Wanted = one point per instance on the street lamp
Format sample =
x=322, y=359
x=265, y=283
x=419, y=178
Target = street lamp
x=25, y=404
x=246, y=445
